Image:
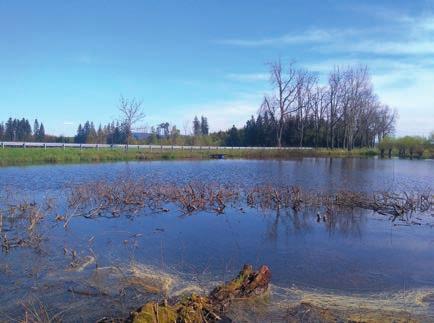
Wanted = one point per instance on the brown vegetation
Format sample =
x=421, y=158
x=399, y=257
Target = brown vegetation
x=196, y=308
x=19, y=222
x=112, y=199
x=18, y=225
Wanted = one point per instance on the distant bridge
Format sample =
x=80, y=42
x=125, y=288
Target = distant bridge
x=48, y=145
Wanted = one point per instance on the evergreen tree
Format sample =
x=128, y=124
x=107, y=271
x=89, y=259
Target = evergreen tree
x=117, y=135
x=100, y=135
x=250, y=132
x=204, y=126
x=197, y=128
x=91, y=137
x=41, y=133
x=79, y=137
x=36, y=130
x=233, y=138
x=9, y=130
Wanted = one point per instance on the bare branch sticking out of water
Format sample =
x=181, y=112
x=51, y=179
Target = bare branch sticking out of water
x=128, y=197
x=19, y=225
x=20, y=221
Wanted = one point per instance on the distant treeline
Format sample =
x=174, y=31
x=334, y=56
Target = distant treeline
x=21, y=130
x=343, y=112
x=164, y=133
x=299, y=111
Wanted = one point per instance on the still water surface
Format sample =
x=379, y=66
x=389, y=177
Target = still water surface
x=363, y=255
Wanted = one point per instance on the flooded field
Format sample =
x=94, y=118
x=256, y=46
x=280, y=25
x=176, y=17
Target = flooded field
x=63, y=259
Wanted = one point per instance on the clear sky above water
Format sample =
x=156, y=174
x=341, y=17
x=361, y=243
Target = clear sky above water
x=65, y=62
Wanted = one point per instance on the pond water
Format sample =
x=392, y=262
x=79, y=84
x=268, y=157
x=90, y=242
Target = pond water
x=363, y=259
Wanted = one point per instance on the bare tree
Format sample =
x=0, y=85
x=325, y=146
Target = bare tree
x=186, y=127
x=131, y=114
x=358, y=97
x=305, y=99
x=334, y=98
x=344, y=113
x=319, y=108
x=283, y=102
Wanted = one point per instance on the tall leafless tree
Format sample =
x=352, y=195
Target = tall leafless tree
x=305, y=95
x=319, y=109
x=131, y=113
x=347, y=107
x=283, y=101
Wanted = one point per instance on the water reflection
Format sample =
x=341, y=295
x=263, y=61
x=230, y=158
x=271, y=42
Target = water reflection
x=351, y=252
x=309, y=173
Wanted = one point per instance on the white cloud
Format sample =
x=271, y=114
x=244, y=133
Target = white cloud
x=399, y=35
x=404, y=84
x=413, y=99
x=221, y=114
x=248, y=77
x=308, y=36
x=399, y=55
x=398, y=47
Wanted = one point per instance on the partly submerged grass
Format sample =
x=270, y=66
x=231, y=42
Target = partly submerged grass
x=20, y=156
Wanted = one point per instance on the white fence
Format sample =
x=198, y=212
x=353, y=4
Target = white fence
x=46, y=145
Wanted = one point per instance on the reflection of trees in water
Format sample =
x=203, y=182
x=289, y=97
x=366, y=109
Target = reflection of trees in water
x=349, y=222
x=288, y=222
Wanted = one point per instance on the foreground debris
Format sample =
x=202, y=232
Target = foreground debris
x=211, y=308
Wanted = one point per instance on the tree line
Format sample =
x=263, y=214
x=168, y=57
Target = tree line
x=163, y=133
x=300, y=111
x=340, y=111
x=21, y=130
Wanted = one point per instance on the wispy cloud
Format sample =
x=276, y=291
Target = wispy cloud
x=399, y=54
x=381, y=47
x=410, y=36
x=308, y=36
x=221, y=114
x=248, y=77
x=401, y=35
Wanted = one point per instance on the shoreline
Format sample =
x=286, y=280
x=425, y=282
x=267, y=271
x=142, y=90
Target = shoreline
x=38, y=156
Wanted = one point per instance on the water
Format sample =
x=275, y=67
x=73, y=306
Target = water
x=364, y=259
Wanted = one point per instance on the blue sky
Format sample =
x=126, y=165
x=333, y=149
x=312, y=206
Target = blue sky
x=65, y=62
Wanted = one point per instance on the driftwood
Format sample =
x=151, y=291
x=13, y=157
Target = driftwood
x=211, y=308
